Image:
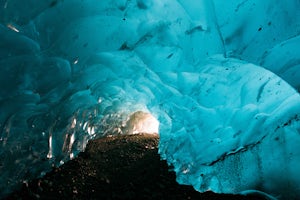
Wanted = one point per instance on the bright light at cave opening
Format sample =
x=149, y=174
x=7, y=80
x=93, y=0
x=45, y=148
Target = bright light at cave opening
x=142, y=122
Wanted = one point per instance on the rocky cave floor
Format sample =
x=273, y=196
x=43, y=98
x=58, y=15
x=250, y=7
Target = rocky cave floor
x=119, y=167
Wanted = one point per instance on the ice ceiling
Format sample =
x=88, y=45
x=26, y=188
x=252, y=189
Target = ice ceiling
x=221, y=77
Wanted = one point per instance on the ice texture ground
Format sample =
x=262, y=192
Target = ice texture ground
x=221, y=77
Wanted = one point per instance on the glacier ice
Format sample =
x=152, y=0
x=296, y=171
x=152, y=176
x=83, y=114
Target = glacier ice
x=220, y=78
x=240, y=125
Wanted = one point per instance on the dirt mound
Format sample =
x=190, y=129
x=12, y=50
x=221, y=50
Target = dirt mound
x=119, y=167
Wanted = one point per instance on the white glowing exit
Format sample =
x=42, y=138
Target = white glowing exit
x=142, y=122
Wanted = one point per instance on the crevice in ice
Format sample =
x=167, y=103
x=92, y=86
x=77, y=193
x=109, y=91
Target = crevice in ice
x=235, y=151
x=294, y=119
x=194, y=29
x=212, y=8
x=260, y=90
x=240, y=5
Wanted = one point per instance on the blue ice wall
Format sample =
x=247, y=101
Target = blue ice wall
x=222, y=78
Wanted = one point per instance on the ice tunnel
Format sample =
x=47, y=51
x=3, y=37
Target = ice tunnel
x=219, y=80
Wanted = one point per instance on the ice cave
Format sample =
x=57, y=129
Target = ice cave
x=218, y=80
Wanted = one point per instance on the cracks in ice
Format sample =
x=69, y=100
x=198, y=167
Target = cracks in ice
x=288, y=123
x=261, y=90
x=234, y=151
x=195, y=29
x=215, y=20
x=250, y=146
x=240, y=5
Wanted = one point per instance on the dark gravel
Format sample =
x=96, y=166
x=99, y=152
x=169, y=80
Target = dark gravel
x=119, y=167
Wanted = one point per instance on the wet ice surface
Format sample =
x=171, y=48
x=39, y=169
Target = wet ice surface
x=220, y=77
